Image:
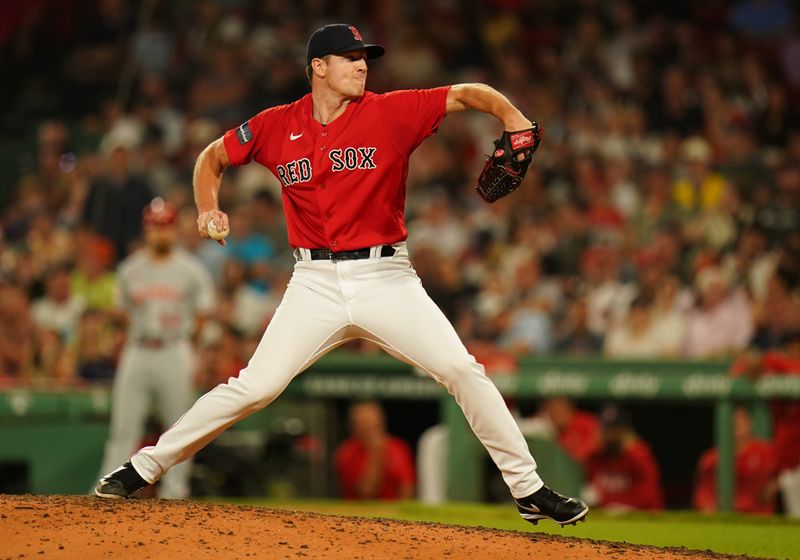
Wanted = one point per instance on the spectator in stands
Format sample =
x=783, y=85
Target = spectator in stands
x=622, y=473
x=742, y=165
x=753, y=261
x=438, y=227
x=722, y=322
x=372, y=464
x=93, y=279
x=59, y=310
x=16, y=334
x=659, y=209
x=607, y=296
x=701, y=188
x=755, y=475
x=220, y=90
x=601, y=147
x=96, y=356
x=530, y=328
x=269, y=222
x=708, y=202
x=635, y=334
x=573, y=336
x=252, y=248
x=116, y=198
x=50, y=243
x=778, y=317
x=668, y=312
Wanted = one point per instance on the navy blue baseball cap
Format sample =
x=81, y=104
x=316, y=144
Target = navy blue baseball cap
x=337, y=38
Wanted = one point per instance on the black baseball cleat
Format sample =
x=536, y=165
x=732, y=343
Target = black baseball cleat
x=546, y=504
x=121, y=483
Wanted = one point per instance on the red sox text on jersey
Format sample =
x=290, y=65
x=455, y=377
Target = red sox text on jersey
x=301, y=171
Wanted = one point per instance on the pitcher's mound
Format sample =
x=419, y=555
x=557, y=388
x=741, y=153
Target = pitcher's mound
x=85, y=528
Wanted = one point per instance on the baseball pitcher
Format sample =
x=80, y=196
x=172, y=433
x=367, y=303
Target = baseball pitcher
x=341, y=154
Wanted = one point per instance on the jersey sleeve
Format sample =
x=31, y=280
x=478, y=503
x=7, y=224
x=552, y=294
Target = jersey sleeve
x=414, y=114
x=244, y=142
x=122, y=294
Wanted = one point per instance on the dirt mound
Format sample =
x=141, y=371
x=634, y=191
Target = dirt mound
x=85, y=528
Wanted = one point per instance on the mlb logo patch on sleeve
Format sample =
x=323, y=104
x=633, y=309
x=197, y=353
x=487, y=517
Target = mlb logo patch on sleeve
x=244, y=134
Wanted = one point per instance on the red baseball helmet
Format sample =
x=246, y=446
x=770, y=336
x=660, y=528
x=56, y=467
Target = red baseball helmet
x=159, y=213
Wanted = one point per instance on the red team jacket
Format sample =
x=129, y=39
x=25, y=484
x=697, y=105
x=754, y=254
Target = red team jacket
x=351, y=460
x=344, y=184
x=631, y=479
x=756, y=466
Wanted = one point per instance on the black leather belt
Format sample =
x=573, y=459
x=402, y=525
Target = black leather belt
x=354, y=255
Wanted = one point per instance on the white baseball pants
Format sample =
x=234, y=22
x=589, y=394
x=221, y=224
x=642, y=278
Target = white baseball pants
x=325, y=305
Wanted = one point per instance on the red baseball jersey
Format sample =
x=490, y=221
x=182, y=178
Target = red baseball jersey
x=756, y=468
x=344, y=184
x=398, y=468
x=630, y=479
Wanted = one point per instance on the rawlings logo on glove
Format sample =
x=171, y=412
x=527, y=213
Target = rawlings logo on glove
x=504, y=170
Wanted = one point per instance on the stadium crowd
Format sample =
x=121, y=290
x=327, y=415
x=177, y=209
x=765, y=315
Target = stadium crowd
x=661, y=217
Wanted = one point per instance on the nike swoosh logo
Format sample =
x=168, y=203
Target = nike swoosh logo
x=293, y=136
x=531, y=508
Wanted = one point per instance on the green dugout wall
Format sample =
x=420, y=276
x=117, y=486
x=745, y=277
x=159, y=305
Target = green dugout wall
x=60, y=434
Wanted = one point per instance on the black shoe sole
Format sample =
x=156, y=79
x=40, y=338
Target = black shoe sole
x=109, y=496
x=534, y=519
x=100, y=494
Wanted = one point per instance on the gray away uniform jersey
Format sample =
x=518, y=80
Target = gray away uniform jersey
x=162, y=299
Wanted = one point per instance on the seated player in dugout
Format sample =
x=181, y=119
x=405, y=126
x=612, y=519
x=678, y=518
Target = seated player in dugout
x=372, y=464
x=756, y=472
x=622, y=474
x=342, y=156
x=576, y=431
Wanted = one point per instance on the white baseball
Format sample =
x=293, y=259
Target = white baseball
x=215, y=233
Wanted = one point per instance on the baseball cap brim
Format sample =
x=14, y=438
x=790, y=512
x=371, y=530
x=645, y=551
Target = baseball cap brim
x=374, y=51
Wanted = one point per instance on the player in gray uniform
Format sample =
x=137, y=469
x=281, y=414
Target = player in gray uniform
x=163, y=291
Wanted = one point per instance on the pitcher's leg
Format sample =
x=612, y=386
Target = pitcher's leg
x=129, y=405
x=400, y=316
x=309, y=322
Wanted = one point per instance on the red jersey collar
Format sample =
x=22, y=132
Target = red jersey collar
x=307, y=110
